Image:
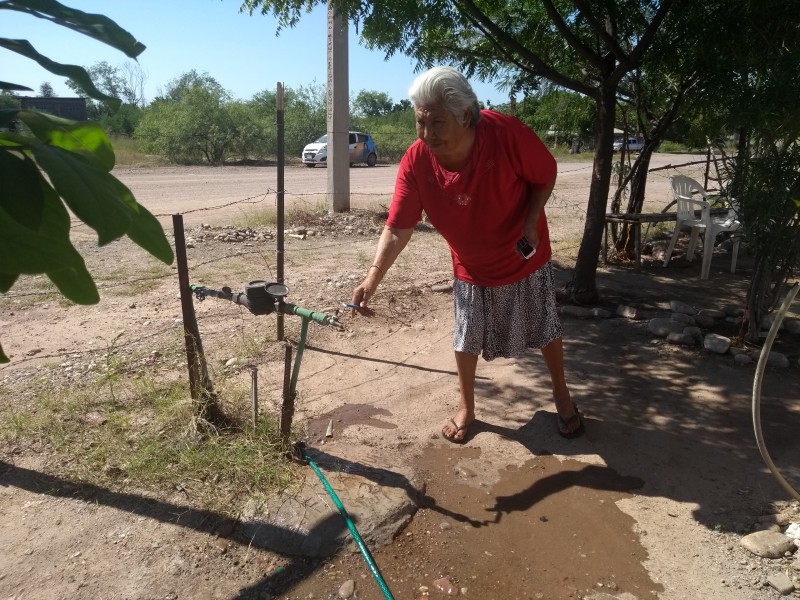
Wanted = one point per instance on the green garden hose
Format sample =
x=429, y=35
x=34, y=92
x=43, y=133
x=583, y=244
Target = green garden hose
x=351, y=526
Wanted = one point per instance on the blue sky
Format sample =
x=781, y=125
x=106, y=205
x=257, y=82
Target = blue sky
x=240, y=51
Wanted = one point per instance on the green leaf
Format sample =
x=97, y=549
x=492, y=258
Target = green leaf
x=94, y=195
x=76, y=284
x=102, y=201
x=43, y=247
x=46, y=248
x=21, y=180
x=7, y=115
x=86, y=139
x=7, y=281
x=73, y=72
x=14, y=87
x=146, y=231
x=95, y=26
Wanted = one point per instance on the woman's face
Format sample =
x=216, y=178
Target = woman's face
x=441, y=131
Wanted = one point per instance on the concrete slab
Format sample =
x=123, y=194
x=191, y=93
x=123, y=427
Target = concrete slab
x=379, y=498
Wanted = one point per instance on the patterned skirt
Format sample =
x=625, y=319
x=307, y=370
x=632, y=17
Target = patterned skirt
x=506, y=320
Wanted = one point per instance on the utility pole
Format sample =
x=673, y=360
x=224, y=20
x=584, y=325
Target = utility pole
x=338, y=114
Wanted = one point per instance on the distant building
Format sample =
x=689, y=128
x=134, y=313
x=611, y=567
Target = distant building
x=68, y=108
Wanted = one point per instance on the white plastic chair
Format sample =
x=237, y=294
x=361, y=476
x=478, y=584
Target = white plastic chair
x=710, y=226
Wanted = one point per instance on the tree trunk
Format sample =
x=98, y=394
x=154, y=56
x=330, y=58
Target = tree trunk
x=583, y=286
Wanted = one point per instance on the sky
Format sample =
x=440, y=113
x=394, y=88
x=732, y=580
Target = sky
x=239, y=51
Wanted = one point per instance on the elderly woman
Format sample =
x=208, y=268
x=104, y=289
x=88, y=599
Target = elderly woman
x=482, y=179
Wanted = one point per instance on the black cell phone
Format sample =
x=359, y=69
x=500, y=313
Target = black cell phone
x=524, y=248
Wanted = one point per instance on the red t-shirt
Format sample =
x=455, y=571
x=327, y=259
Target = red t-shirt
x=479, y=210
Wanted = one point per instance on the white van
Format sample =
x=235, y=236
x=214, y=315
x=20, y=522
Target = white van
x=631, y=145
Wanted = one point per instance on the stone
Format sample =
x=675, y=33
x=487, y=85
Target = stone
x=380, y=499
x=767, y=544
x=717, y=344
x=683, y=319
x=347, y=589
x=696, y=333
x=663, y=327
x=680, y=339
x=446, y=586
x=704, y=321
x=777, y=359
x=94, y=418
x=442, y=288
x=781, y=582
x=600, y=313
x=768, y=320
x=743, y=359
x=792, y=528
x=733, y=310
x=677, y=306
x=712, y=312
x=629, y=312
x=581, y=312
x=792, y=326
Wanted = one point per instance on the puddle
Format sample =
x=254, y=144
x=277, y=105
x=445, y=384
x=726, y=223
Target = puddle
x=346, y=416
x=547, y=529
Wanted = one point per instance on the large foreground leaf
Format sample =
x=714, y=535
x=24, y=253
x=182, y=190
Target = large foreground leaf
x=73, y=72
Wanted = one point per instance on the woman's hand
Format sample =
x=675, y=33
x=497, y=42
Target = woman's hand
x=361, y=296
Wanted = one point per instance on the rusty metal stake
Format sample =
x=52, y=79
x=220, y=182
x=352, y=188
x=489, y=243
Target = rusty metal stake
x=254, y=392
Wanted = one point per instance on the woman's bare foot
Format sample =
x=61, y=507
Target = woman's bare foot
x=455, y=430
x=570, y=423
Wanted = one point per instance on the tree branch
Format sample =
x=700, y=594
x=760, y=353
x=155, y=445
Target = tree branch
x=515, y=52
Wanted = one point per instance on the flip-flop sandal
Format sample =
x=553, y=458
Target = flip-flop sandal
x=566, y=424
x=459, y=429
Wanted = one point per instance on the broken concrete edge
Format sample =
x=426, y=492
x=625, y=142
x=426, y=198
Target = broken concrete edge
x=304, y=521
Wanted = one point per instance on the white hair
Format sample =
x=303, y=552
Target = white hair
x=448, y=87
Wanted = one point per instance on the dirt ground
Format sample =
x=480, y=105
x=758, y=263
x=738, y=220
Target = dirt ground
x=650, y=503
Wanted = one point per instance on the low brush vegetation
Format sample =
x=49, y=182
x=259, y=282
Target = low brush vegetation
x=127, y=431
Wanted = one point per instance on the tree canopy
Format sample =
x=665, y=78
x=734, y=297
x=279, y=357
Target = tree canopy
x=659, y=56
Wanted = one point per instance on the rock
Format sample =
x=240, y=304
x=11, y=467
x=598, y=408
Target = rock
x=347, y=589
x=767, y=544
x=446, y=586
x=663, y=327
x=581, y=312
x=600, y=313
x=629, y=312
x=743, y=359
x=677, y=306
x=733, y=310
x=680, y=339
x=781, y=582
x=792, y=326
x=792, y=529
x=768, y=320
x=442, y=287
x=711, y=312
x=704, y=321
x=94, y=418
x=696, y=333
x=682, y=318
x=718, y=344
x=777, y=359
x=381, y=498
